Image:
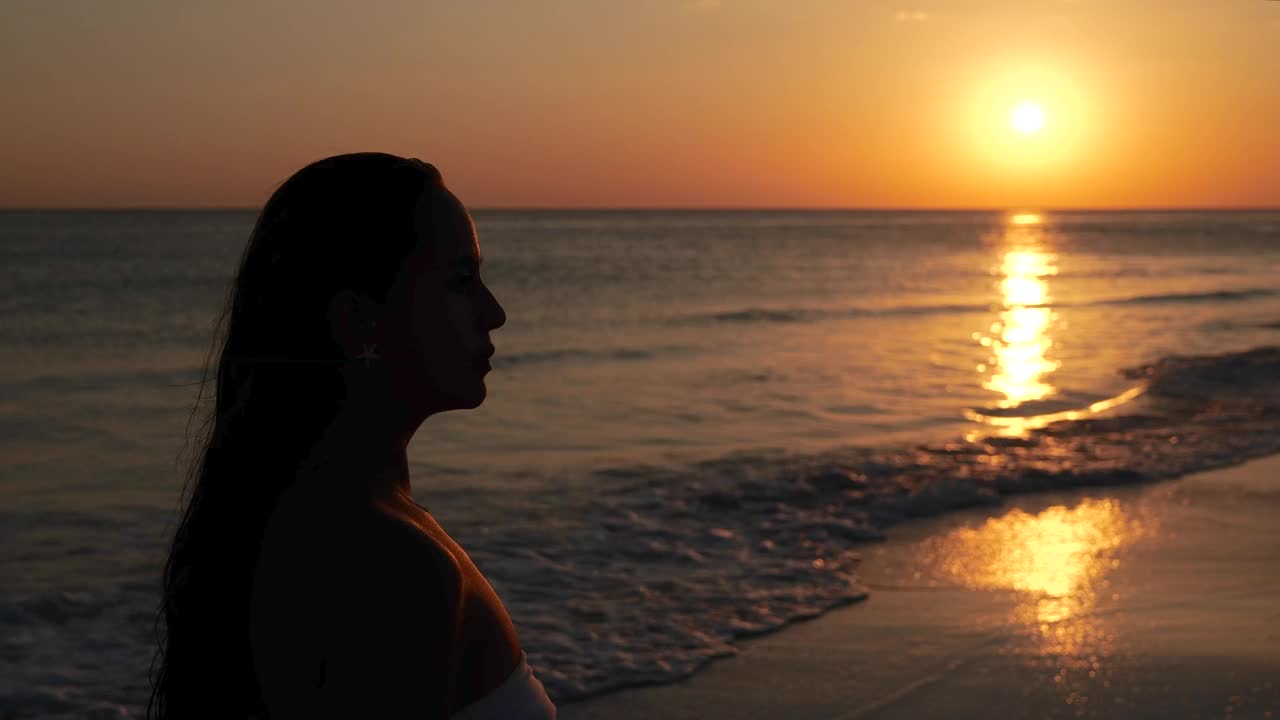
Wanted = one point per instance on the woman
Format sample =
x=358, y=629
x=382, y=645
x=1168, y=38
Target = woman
x=304, y=581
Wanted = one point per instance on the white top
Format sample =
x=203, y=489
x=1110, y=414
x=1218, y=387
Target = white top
x=519, y=697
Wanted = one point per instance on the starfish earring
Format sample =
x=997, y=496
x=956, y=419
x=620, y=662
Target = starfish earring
x=370, y=353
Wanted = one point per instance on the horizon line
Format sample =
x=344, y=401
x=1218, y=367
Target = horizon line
x=725, y=208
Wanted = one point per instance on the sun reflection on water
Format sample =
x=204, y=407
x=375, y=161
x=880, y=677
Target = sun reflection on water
x=1057, y=560
x=1056, y=563
x=1019, y=341
x=1022, y=341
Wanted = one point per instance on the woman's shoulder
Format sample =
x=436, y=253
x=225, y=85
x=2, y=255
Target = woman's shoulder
x=349, y=538
x=389, y=607
x=369, y=536
x=358, y=597
x=391, y=538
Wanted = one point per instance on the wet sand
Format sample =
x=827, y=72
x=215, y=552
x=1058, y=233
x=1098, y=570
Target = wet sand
x=1160, y=601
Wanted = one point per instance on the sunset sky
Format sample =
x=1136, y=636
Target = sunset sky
x=654, y=103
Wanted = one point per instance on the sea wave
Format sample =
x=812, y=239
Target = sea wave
x=78, y=654
x=1211, y=296
x=815, y=314
x=671, y=565
x=554, y=355
x=663, y=568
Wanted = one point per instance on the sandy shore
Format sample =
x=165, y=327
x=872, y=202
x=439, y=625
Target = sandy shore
x=1151, y=602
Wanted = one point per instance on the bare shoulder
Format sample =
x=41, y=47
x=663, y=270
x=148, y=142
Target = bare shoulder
x=386, y=564
x=387, y=537
x=342, y=538
x=396, y=599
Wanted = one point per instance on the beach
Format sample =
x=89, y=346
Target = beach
x=834, y=360
x=1155, y=601
x=702, y=427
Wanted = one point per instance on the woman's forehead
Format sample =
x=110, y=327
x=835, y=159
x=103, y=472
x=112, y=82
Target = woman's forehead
x=445, y=229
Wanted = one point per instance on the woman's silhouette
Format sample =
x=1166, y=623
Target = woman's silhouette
x=303, y=580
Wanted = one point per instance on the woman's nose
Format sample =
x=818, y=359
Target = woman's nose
x=497, y=316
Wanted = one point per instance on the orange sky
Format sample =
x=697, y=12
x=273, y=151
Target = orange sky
x=662, y=103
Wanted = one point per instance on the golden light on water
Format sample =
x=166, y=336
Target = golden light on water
x=1054, y=553
x=1056, y=562
x=1057, y=559
x=1020, y=362
x=1020, y=342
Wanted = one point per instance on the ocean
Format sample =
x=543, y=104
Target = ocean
x=695, y=420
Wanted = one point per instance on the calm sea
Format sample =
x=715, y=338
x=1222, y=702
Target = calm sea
x=693, y=422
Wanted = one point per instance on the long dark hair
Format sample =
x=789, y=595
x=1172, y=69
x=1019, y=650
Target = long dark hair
x=346, y=221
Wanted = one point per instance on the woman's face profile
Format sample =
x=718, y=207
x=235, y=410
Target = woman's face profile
x=442, y=312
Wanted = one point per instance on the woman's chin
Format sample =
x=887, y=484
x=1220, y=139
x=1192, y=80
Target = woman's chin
x=460, y=394
x=473, y=399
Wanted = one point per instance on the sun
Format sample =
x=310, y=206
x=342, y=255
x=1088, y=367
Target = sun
x=1027, y=118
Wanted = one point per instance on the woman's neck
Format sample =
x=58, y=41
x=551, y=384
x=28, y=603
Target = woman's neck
x=360, y=453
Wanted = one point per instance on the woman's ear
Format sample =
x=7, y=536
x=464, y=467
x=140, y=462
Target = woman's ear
x=352, y=320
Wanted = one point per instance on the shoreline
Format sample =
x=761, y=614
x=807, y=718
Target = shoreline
x=1116, y=601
